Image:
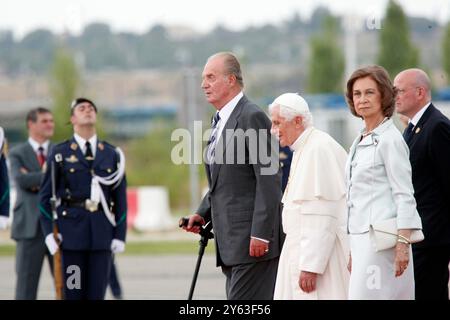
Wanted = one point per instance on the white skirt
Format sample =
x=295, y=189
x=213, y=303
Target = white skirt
x=373, y=273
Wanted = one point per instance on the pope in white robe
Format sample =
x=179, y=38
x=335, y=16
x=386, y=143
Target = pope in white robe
x=313, y=261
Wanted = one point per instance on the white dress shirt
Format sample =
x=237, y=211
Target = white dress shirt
x=226, y=111
x=82, y=143
x=419, y=114
x=35, y=145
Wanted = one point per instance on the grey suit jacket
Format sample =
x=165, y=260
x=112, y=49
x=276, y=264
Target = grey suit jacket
x=242, y=201
x=26, y=210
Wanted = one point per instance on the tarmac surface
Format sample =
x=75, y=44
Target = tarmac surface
x=143, y=277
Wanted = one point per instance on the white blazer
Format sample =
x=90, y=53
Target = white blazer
x=379, y=184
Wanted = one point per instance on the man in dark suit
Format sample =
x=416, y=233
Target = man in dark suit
x=4, y=183
x=90, y=182
x=243, y=201
x=428, y=138
x=27, y=168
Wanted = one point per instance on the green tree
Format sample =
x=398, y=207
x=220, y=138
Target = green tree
x=64, y=84
x=8, y=52
x=397, y=52
x=318, y=17
x=155, y=49
x=36, y=50
x=326, y=66
x=102, y=48
x=446, y=50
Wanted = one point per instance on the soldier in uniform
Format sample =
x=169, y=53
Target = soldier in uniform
x=4, y=184
x=90, y=185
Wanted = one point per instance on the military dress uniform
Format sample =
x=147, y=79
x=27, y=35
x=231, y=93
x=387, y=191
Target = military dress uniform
x=86, y=230
x=4, y=181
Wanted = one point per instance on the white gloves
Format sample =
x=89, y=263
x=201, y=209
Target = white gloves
x=3, y=222
x=51, y=243
x=117, y=246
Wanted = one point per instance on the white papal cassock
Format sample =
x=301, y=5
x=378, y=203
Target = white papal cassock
x=314, y=220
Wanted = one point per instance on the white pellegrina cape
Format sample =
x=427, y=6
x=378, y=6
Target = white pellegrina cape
x=315, y=220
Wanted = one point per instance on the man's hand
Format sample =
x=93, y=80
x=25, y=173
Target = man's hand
x=194, y=218
x=307, y=281
x=117, y=246
x=3, y=222
x=258, y=248
x=24, y=170
x=51, y=243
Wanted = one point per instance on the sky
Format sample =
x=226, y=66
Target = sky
x=138, y=16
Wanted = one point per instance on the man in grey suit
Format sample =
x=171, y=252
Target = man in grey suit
x=243, y=201
x=27, y=168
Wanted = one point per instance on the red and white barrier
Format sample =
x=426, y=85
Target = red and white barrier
x=148, y=209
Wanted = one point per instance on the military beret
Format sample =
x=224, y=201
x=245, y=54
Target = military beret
x=78, y=101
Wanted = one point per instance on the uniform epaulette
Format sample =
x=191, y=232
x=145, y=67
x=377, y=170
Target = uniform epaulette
x=108, y=144
x=60, y=146
x=62, y=143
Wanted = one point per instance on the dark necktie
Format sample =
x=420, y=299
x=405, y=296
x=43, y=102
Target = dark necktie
x=212, y=138
x=89, y=155
x=41, y=156
x=408, y=133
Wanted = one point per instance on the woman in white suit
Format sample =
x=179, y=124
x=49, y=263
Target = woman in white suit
x=379, y=187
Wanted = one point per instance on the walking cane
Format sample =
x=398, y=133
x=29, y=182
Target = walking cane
x=206, y=234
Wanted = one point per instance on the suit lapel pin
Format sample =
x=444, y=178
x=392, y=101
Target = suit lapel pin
x=72, y=159
x=417, y=130
x=74, y=146
x=101, y=146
